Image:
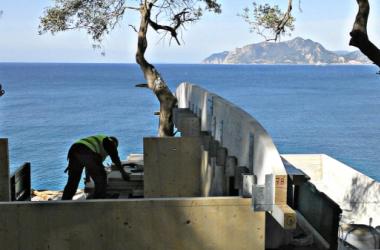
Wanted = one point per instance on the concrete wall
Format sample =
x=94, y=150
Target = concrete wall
x=242, y=135
x=4, y=170
x=357, y=194
x=188, y=223
x=172, y=167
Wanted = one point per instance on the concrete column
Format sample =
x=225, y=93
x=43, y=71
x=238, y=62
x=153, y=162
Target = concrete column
x=4, y=170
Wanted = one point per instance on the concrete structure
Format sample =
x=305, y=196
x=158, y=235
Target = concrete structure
x=4, y=170
x=357, y=194
x=244, y=138
x=179, y=223
x=172, y=167
x=223, y=151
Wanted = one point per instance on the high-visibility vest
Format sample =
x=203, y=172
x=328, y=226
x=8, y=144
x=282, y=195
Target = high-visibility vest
x=95, y=143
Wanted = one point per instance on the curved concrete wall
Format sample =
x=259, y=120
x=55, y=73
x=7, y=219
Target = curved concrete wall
x=236, y=130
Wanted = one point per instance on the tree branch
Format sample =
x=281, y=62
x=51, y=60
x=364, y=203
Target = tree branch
x=287, y=16
x=154, y=80
x=359, y=37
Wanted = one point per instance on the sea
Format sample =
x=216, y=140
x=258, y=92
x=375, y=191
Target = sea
x=329, y=109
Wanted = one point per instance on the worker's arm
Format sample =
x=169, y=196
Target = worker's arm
x=111, y=149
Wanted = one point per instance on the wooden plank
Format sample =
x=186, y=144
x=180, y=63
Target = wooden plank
x=281, y=189
x=285, y=216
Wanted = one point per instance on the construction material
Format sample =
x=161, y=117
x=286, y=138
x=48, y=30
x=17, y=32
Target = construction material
x=175, y=223
x=117, y=187
x=172, y=166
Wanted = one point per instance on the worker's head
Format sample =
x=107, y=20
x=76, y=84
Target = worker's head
x=114, y=140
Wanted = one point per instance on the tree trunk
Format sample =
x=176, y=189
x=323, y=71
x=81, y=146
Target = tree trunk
x=154, y=80
x=359, y=37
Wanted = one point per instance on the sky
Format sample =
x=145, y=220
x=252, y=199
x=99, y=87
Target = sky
x=325, y=21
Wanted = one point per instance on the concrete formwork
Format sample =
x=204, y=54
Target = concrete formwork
x=187, y=223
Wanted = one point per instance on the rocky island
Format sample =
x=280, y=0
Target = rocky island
x=295, y=51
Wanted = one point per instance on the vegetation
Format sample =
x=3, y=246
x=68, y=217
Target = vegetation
x=269, y=21
x=99, y=17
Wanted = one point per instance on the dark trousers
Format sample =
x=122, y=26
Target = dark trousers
x=79, y=157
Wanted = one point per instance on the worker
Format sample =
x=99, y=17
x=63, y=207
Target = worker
x=90, y=153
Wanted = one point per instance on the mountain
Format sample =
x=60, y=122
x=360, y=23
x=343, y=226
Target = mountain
x=295, y=51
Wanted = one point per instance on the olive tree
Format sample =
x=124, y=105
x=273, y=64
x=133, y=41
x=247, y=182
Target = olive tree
x=99, y=17
x=269, y=21
x=276, y=22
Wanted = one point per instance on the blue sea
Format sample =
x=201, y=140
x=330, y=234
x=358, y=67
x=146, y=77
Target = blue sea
x=307, y=109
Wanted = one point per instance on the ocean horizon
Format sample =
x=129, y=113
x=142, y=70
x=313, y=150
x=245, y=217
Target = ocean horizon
x=329, y=109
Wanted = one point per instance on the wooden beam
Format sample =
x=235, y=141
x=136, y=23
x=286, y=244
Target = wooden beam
x=285, y=216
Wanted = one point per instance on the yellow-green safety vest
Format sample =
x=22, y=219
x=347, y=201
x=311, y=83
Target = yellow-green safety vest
x=95, y=143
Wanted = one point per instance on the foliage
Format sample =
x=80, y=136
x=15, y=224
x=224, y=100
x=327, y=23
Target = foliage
x=99, y=17
x=268, y=21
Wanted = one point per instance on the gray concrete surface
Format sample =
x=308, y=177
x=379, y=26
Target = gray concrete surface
x=187, y=223
x=172, y=167
x=357, y=194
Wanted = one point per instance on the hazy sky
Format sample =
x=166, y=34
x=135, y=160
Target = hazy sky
x=325, y=21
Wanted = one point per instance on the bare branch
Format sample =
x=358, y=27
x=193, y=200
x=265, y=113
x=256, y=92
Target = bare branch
x=133, y=27
x=132, y=8
x=157, y=27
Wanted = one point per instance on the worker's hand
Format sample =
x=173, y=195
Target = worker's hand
x=124, y=175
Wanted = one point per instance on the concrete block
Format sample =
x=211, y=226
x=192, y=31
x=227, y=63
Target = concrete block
x=221, y=156
x=231, y=165
x=247, y=186
x=258, y=198
x=238, y=176
x=214, y=145
x=206, y=140
x=187, y=122
x=207, y=173
x=172, y=166
x=218, y=181
x=178, y=114
x=180, y=223
x=4, y=170
x=191, y=126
